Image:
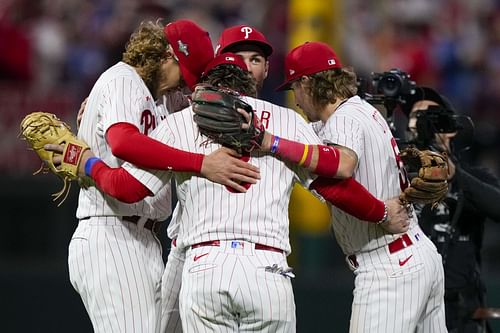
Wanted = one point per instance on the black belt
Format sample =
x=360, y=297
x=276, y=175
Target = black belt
x=150, y=224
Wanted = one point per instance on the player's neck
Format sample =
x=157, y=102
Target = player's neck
x=331, y=108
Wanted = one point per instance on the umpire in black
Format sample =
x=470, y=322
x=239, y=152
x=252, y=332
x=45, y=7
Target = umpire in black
x=456, y=226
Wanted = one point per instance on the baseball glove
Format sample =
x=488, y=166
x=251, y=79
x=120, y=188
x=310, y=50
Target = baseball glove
x=41, y=128
x=217, y=117
x=430, y=184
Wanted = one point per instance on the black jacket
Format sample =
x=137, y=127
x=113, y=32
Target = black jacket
x=460, y=244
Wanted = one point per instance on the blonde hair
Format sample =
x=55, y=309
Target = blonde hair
x=328, y=86
x=146, y=50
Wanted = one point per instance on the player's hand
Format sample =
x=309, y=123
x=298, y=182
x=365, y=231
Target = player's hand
x=223, y=166
x=176, y=100
x=57, y=159
x=80, y=113
x=398, y=221
x=268, y=137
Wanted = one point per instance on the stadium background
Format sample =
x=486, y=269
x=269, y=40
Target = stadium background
x=52, y=51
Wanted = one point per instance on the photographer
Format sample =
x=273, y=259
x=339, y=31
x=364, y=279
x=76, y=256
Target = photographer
x=456, y=226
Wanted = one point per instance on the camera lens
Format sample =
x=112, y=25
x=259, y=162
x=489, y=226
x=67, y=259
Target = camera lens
x=390, y=85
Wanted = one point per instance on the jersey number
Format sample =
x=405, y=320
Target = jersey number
x=403, y=175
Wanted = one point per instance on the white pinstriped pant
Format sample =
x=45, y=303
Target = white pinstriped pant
x=399, y=292
x=228, y=289
x=170, y=289
x=116, y=267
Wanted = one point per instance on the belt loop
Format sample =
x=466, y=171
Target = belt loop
x=352, y=262
x=142, y=221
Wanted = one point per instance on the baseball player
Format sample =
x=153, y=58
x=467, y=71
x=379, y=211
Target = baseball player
x=254, y=48
x=115, y=260
x=398, y=278
x=251, y=45
x=202, y=225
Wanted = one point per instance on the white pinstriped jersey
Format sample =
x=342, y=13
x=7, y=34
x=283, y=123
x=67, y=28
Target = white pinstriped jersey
x=209, y=211
x=359, y=126
x=119, y=95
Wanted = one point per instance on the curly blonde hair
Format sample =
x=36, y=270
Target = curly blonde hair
x=328, y=86
x=146, y=50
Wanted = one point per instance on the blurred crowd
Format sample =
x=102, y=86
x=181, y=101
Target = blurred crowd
x=451, y=45
x=52, y=51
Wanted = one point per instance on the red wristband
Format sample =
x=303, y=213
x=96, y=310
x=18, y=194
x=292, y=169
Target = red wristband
x=328, y=161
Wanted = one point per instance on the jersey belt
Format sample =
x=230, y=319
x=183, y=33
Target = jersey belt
x=257, y=246
x=396, y=245
x=400, y=243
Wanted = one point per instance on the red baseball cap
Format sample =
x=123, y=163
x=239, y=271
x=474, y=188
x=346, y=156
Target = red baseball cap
x=225, y=58
x=233, y=37
x=192, y=47
x=306, y=59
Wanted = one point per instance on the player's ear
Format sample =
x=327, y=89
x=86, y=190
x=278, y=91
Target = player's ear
x=266, y=71
x=304, y=79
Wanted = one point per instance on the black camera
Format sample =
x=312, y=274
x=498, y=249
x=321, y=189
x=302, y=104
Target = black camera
x=435, y=119
x=393, y=84
x=438, y=119
x=388, y=89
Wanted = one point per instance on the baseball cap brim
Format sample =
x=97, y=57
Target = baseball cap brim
x=266, y=49
x=285, y=86
x=190, y=78
x=226, y=58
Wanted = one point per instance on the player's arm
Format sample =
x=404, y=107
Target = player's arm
x=116, y=182
x=327, y=161
x=354, y=199
x=322, y=160
x=129, y=144
x=221, y=166
x=351, y=197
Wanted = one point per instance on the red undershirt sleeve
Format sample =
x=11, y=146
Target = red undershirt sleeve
x=130, y=145
x=118, y=183
x=351, y=197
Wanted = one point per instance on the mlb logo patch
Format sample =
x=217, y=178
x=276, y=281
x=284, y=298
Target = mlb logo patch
x=237, y=245
x=331, y=62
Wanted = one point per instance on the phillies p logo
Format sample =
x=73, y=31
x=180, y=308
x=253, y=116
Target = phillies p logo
x=247, y=31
